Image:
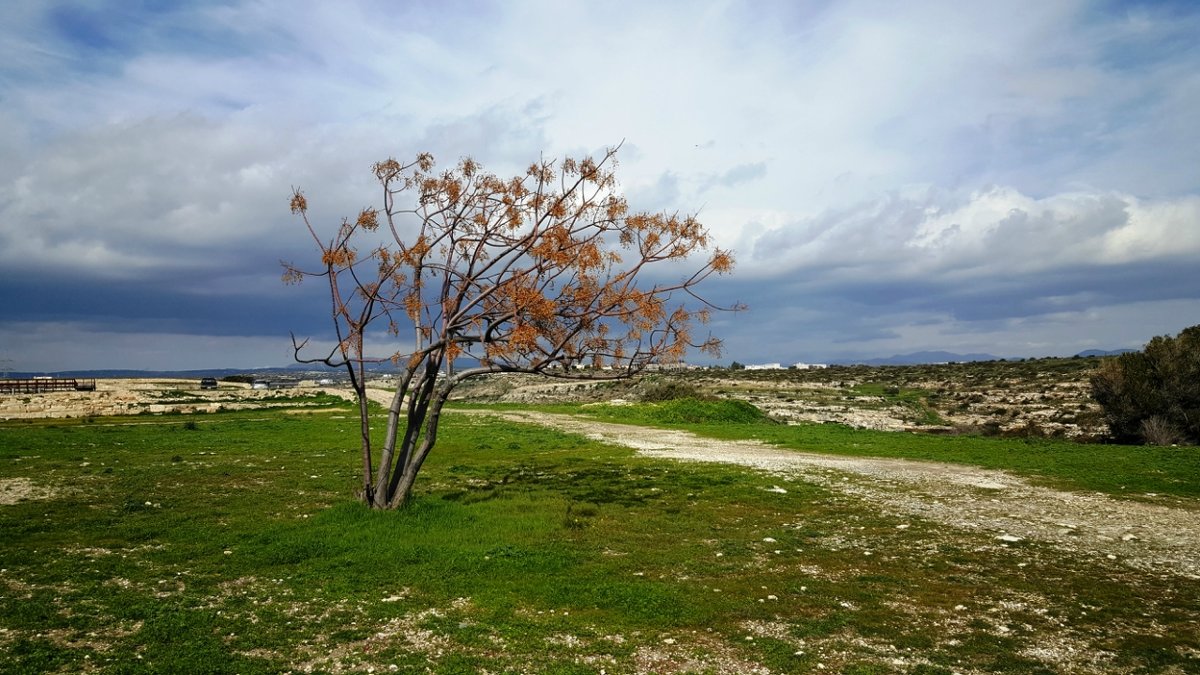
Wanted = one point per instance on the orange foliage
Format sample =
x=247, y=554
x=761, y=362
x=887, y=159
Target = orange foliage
x=537, y=270
x=412, y=305
x=299, y=203
x=721, y=262
x=368, y=219
x=338, y=257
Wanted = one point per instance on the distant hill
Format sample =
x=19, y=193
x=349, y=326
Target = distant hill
x=1101, y=352
x=923, y=358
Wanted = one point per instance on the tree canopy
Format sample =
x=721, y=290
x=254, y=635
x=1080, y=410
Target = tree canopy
x=545, y=272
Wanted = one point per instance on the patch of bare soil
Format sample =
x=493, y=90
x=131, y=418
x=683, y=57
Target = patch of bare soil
x=1150, y=537
x=15, y=490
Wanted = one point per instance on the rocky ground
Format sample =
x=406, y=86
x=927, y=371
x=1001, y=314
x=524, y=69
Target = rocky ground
x=1038, y=397
x=141, y=397
x=1042, y=397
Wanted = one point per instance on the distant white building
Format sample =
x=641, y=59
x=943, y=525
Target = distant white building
x=806, y=366
x=764, y=366
x=679, y=365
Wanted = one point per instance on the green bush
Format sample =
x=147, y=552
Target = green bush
x=683, y=411
x=1153, y=395
x=695, y=411
x=670, y=391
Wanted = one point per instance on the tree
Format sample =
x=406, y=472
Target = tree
x=1153, y=395
x=546, y=272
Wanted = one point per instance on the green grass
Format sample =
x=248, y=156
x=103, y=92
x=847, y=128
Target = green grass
x=915, y=400
x=233, y=545
x=1120, y=470
x=681, y=412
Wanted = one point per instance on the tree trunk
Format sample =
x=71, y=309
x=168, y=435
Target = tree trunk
x=383, y=476
x=402, y=454
x=365, y=430
x=400, y=491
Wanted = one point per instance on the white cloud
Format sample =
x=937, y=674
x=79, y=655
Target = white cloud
x=1166, y=229
x=148, y=194
x=994, y=232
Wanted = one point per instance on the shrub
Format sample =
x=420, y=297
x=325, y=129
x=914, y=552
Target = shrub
x=690, y=410
x=670, y=391
x=1031, y=429
x=1161, y=382
x=1158, y=431
x=245, y=379
x=990, y=428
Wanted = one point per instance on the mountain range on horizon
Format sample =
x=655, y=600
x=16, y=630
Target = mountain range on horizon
x=935, y=357
x=924, y=358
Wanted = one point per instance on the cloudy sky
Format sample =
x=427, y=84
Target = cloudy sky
x=1018, y=178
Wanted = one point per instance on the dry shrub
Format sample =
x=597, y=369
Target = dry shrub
x=1158, y=430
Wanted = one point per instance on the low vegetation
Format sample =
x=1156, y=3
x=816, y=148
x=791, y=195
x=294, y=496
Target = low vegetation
x=1025, y=398
x=233, y=544
x=1118, y=470
x=1153, y=396
x=683, y=411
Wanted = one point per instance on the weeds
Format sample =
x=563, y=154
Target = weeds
x=239, y=549
x=1157, y=430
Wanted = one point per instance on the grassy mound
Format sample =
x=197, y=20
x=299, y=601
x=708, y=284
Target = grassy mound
x=682, y=411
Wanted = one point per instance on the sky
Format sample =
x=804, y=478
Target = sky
x=1015, y=178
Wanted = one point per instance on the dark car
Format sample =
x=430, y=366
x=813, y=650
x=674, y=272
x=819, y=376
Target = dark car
x=208, y=383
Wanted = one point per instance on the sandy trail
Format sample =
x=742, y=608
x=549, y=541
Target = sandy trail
x=1151, y=537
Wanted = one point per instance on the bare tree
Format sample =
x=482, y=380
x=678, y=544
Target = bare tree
x=541, y=273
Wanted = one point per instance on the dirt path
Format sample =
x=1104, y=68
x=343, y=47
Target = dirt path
x=1150, y=537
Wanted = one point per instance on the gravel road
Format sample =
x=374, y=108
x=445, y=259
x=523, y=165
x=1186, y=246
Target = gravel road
x=1157, y=538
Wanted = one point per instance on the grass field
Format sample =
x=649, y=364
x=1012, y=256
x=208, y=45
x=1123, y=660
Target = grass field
x=1119, y=470
x=231, y=543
